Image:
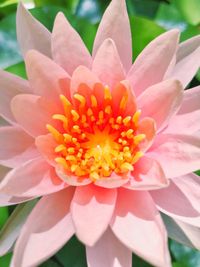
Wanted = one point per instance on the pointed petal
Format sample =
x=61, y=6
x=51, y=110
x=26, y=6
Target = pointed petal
x=45, y=76
x=176, y=204
x=185, y=69
x=31, y=34
x=12, y=228
x=33, y=113
x=183, y=233
x=178, y=154
x=47, y=229
x=92, y=208
x=190, y=100
x=11, y=86
x=136, y=221
x=115, y=25
x=147, y=175
x=107, y=65
x=17, y=147
x=34, y=178
x=161, y=101
x=68, y=49
x=6, y=200
x=108, y=252
x=188, y=47
x=83, y=75
x=147, y=126
x=152, y=64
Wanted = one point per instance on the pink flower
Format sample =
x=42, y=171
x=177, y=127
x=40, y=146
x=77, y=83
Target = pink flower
x=107, y=144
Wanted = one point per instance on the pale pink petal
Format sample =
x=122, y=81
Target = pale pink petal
x=16, y=146
x=47, y=229
x=152, y=64
x=161, y=101
x=31, y=34
x=185, y=69
x=83, y=75
x=11, y=86
x=138, y=225
x=147, y=175
x=107, y=65
x=188, y=47
x=6, y=200
x=45, y=76
x=147, y=126
x=33, y=178
x=13, y=225
x=178, y=154
x=190, y=100
x=115, y=25
x=183, y=233
x=108, y=252
x=68, y=49
x=3, y=171
x=173, y=202
x=113, y=181
x=33, y=113
x=92, y=208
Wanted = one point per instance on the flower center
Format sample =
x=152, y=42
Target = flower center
x=98, y=135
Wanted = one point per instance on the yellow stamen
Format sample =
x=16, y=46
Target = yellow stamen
x=81, y=99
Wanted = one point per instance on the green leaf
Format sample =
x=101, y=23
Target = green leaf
x=3, y=216
x=186, y=256
x=198, y=172
x=147, y=8
x=138, y=262
x=18, y=69
x=72, y=254
x=190, y=10
x=5, y=260
x=143, y=31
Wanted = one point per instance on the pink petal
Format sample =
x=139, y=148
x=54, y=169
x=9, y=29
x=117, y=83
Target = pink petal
x=11, y=86
x=33, y=113
x=176, y=204
x=136, y=223
x=108, y=252
x=190, y=100
x=47, y=229
x=161, y=101
x=185, y=69
x=152, y=64
x=147, y=175
x=147, y=126
x=83, y=75
x=178, y=154
x=112, y=182
x=6, y=200
x=31, y=34
x=45, y=76
x=188, y=47
x=107, y=65
x=17, y=147
x=92, y=208
x=115, y=25
x=33, y=178
x=68, y=49
x=3, y=172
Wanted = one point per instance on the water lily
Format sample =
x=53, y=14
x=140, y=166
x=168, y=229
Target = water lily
x=105, y=143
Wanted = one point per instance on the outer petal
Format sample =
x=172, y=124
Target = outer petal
x=188, y=47
x=33, y=113
x=161, y=101
x=31, y=34
x=6, y=200
x=152, y=64
x=107, y=64
x=108, y=252
x=115, y=25
x=33, y=178
x=147, y=175
x=45, y=76
x=190, y=100
x=68, y=49
x=92, y=208
x=12, y=228
x=135, y=222
x=183, y=233
x=176, y=204
x=178, y=154
x=47, y=229
x=10, y=86
x=186, y=68
x=17, y=147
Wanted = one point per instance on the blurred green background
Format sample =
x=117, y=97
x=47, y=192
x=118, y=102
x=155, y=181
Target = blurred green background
x=149, y=18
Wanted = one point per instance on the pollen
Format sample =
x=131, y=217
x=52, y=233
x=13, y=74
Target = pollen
x=95, y=138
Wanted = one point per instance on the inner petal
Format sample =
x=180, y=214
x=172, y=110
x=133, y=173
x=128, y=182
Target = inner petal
x=98, y=137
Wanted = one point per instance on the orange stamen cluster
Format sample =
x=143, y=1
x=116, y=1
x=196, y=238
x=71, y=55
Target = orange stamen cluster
x=96, y=139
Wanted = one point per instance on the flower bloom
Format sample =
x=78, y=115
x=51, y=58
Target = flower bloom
x=104, y=143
